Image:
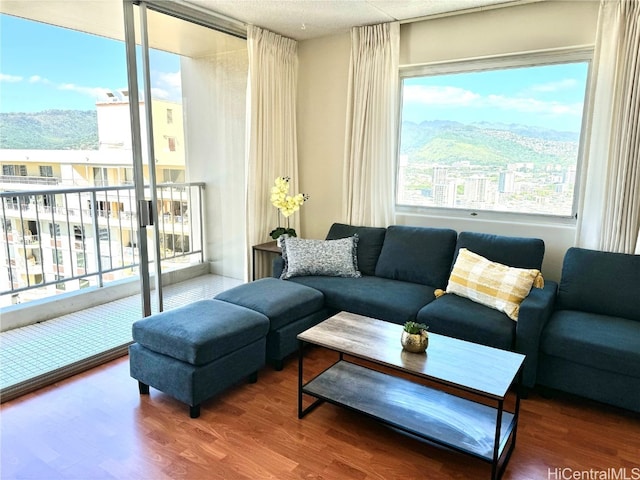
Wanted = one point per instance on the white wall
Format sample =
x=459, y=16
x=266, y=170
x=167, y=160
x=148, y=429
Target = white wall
x=324, y=67
x=214, y=93
x=322, y=109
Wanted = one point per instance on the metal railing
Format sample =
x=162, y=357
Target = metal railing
x=29, y=180
x=64, y=239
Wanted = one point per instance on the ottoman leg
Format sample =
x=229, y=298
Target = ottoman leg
x=253, y=378
x=194, y=411
x=144, y=388
x=278, y=365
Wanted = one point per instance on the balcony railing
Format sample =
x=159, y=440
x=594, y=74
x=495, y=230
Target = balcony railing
x=64, y=239
x=22, y=179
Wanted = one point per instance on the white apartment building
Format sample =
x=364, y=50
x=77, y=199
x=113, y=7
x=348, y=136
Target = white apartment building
x=56, y=235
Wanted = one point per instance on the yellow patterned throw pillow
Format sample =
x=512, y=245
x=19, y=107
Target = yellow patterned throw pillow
x=492, y=284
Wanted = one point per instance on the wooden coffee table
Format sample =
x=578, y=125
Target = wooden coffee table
x=477, y=425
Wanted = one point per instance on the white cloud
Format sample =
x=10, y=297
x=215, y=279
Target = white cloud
x=171, y=79
x=93, y=92
x=564, y=84
x=10, y=78
x=449, y=96
x=38, y=79
x=458, y=97
x=159, y=93
x=532, y=105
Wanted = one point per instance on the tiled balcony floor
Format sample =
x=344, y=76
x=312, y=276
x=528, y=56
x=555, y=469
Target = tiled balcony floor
x=37, y=350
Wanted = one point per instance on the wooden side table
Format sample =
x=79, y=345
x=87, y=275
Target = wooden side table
x=269, y=247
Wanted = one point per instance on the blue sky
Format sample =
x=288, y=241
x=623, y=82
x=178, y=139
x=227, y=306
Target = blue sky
x=549, y=96
x=44, y=67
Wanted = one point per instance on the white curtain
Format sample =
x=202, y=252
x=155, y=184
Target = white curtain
x=271, y=134
x=609, y=213
x=371, y=130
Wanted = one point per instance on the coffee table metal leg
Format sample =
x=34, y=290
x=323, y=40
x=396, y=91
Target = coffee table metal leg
x=497, y=468
x=514, y=431
x=300, y=372
x=496, y=445
x=303, y=411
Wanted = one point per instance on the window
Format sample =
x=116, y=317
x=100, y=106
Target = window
x=80, y=260
x=14, y=170
x=46, y=171
x=493, y=135
x=106, y=262
x=100, y=177
x=78, y=232
x=169, y=116
x=128, y=176
x=54, y=229
x=57, y=257
x=171, y=175
x=172, y=144
x=103, y=208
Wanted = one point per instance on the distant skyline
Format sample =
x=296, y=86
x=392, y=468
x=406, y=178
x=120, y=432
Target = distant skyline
x=550, y=96
x=44, y=67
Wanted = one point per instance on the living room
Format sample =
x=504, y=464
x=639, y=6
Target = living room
x=77, y=429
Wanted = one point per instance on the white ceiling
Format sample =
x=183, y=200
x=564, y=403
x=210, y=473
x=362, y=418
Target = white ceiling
x=297, y=19
x=305, y=19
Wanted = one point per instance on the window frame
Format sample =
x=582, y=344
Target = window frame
x=46, y=171
x=491, y=63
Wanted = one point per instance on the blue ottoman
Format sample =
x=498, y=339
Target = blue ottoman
x=194, y=352
x=292, y=308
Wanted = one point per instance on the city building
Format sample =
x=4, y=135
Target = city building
x=63, y=239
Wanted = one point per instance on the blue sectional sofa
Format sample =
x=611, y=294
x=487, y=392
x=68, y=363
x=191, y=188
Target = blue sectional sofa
x=403, y=266
x=590, y=345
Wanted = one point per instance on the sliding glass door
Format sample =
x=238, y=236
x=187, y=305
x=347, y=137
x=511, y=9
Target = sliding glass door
x=122, y=160
x=187, y=84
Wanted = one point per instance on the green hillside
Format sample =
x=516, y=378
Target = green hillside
x=447, y=143
x=49, y=130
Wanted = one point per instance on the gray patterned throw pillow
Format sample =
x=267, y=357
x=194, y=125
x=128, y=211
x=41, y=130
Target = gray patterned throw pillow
x=334, y=258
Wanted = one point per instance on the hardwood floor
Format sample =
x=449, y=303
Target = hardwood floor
x=96, y=426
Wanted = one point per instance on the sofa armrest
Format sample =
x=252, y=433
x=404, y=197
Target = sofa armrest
x=535, y=311
x=278, y=266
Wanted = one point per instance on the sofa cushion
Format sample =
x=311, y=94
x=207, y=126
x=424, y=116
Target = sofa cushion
x=417, y=254
x=520, y=252
x=370, y=241
x=462, y=318
x=600, y=282
x=490, y=283
x=200, y=332
x=335, y=258
x=390, y=300
x=283, y=302
x=599, y=341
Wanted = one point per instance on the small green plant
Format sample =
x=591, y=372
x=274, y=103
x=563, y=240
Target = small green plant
x=282, y=231
x=414, y=327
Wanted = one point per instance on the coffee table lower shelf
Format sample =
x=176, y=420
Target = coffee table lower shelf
x=431, y=414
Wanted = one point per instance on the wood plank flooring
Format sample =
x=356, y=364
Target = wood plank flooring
x=96, y=426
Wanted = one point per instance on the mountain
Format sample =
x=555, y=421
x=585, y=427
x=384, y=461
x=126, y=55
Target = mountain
x=531, y=131
x=49, y=130
x=486, y=144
